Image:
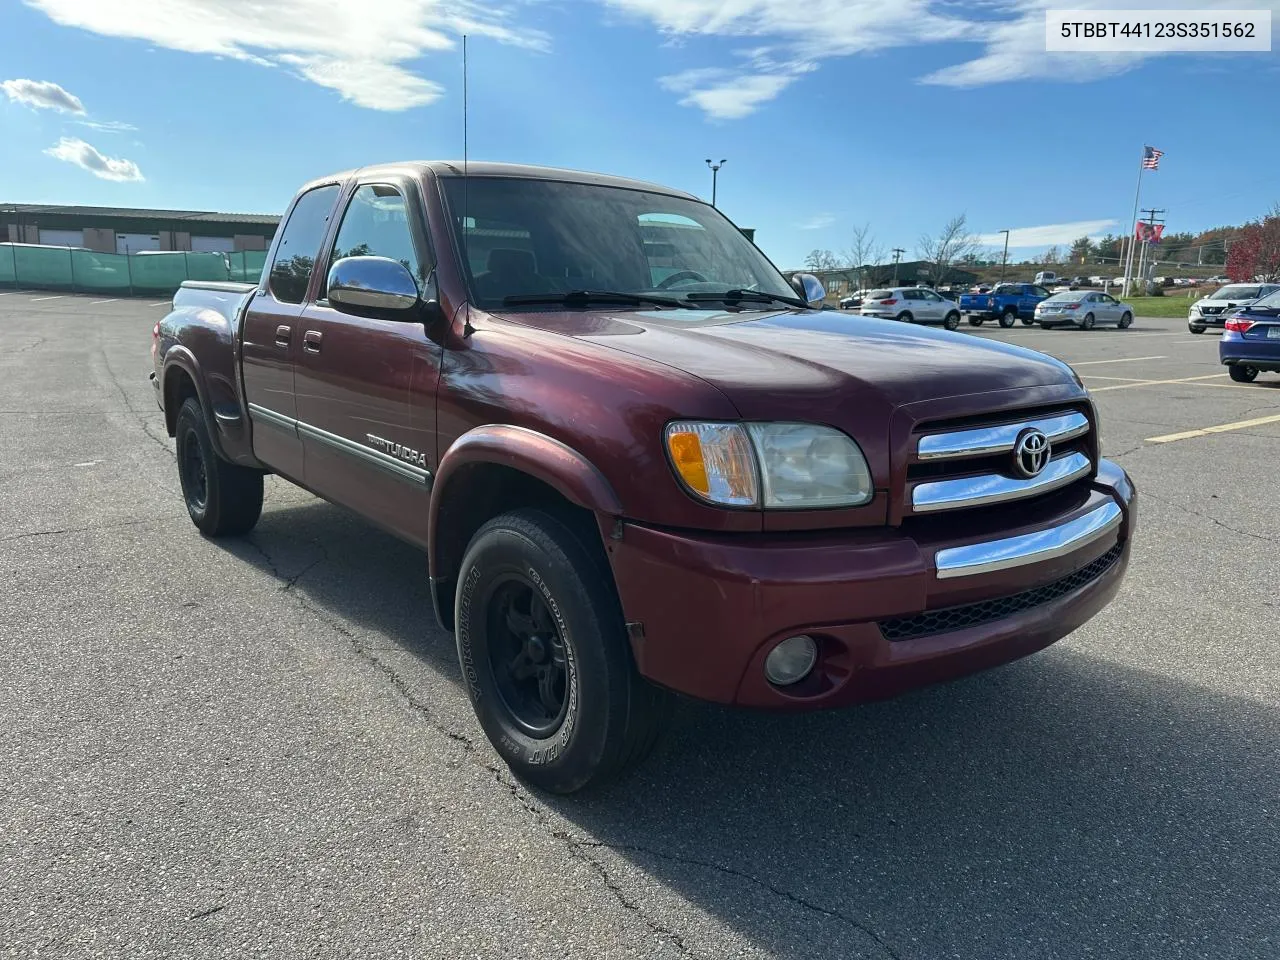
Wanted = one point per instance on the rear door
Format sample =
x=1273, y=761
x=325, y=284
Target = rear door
x=270, y=338
x=366, y=385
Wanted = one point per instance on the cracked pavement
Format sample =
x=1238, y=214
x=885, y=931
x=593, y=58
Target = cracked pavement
x=261, y=747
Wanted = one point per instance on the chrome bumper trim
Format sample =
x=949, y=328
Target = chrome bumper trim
x=1001, y=438
x=978, y=558
x=991, y=488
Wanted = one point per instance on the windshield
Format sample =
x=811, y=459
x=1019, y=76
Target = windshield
x=1237, y=291
x=529, y=237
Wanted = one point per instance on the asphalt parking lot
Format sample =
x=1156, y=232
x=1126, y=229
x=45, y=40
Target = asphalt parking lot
x=261, y=748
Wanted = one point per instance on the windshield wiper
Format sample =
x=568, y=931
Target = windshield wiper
x=576, y=298
x=754, y=296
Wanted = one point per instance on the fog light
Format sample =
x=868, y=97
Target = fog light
x=791, y=660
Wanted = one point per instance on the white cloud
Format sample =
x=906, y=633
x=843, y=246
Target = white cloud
x=87, y=157
x=1050, y=234
x=362, y=50
x=725, y=94
x=43, y=95
x=107, y=126
x=818, y=222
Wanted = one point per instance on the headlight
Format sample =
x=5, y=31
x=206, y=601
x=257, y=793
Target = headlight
x=1194, y=311
x=777, y=465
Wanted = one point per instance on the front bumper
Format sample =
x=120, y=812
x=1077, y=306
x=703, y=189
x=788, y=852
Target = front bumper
x=1213, y=320
x=705, y=610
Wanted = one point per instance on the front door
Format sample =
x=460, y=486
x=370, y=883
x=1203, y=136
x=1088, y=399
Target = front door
x=271, y=339
x=366, y=385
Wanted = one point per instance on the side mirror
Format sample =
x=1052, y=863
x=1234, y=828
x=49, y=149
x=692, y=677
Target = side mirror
x=372, y=285
x=810, y=289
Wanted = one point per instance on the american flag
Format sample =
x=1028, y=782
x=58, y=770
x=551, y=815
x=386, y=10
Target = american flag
x=1151, y=158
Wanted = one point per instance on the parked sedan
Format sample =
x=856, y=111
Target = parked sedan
x=1084, y=310
x=912, y=305
x=1251, y=340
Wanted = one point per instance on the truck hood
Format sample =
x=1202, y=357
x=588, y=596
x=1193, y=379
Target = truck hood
x=813, y=365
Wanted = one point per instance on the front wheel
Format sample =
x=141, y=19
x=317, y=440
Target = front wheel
x=951, y=321
x=1195, y=328
x=223, y=500
x=545, y=656
x=1126, y=320
x=1028, y=321
x=1087, y=322
x=1241, y=373
x=1007, y=318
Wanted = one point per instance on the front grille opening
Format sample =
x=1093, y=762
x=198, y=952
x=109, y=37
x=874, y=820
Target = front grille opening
x=995, y=463
x=989, y=611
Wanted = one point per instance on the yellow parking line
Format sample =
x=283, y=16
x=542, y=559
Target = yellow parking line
x=1087, y=363
x=1149, y=383
x=1220, y=428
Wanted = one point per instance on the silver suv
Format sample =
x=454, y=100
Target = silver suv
x=913, y=305
x=1211, y=311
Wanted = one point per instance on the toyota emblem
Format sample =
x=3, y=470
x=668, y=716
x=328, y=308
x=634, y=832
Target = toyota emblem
x=1031, y=453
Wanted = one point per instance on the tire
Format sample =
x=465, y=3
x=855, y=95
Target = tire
x=1242, y=373
x=951, y=321
x=1195, y=328
x=223, y=500
x=1126, y=320
x=1087, y=322
x=1008, y=318
x=1028, y=321
x=904, y=317
x=545, y=656
x=975, y=321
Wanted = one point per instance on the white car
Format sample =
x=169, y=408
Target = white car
x=1099, y=281
x=1083, y=309
x=912, y=305
x=1211, y=311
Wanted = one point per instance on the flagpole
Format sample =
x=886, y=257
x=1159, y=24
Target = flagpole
x=1133, y=224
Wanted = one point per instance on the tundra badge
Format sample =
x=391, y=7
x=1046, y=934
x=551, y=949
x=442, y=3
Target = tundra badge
x=399, y=451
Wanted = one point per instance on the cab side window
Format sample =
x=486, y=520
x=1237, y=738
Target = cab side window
x=376, y=224
x=296, y=253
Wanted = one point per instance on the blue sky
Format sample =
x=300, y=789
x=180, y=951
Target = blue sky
x=830, y=113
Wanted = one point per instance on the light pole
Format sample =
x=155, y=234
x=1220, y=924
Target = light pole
x=897, y=255
x=715, y=170
x=1004, y=258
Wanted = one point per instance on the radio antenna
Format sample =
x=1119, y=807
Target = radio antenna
x=466, y=184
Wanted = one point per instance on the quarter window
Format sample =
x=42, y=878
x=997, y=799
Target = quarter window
x=376, y=224
x=299, y=244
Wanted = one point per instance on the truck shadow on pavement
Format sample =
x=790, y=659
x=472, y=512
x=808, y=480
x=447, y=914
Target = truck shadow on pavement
x=1062, y=806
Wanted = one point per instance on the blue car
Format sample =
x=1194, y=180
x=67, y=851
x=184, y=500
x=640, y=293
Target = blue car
x=1251, y=341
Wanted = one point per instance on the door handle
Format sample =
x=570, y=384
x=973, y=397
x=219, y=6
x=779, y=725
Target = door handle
x=282, y=336
x=311, y=341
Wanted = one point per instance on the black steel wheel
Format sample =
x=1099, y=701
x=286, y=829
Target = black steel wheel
x=222, y=499
x=527, y=656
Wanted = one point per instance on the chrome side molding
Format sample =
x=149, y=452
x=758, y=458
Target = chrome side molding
x=978, y=558
x=991, y=488
x=1001, y=438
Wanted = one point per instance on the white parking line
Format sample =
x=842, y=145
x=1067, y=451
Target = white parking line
x=161, y=303
x=1087, y=363
x=95, y=302
x=1221, y=428
x=1150, y=383
x=37, y=299
x=1197, y=340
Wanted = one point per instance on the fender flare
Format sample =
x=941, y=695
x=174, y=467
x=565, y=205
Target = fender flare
x=181, y=358
x=553, y=462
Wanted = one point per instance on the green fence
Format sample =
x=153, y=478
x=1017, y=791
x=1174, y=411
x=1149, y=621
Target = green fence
x=85, y=271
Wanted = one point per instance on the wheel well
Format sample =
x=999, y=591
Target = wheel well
x=178, y=385
x=476, y=494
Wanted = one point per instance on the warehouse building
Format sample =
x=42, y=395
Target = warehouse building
x=126, y=230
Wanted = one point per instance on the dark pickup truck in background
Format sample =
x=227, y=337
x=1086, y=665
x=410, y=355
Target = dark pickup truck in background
x=636, y=457
x=1006, y=303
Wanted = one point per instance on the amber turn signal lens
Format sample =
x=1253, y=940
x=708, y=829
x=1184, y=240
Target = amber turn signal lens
x=715, y=461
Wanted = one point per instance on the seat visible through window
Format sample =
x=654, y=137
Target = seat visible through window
x=510, y=273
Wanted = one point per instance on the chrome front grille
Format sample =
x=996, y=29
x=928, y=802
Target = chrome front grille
x=979, y=465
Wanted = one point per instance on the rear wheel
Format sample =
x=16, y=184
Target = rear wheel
x=1007, y=318
x=223, y=500
x=1126, y=320
x=1087, y=322
x=904, y=316
x=1028, y=321
x=545, y=657
x=952, y=320
x=975, y=321
x=1241, y=373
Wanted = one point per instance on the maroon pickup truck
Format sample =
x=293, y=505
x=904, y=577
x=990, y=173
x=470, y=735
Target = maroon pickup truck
x=639, y=460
